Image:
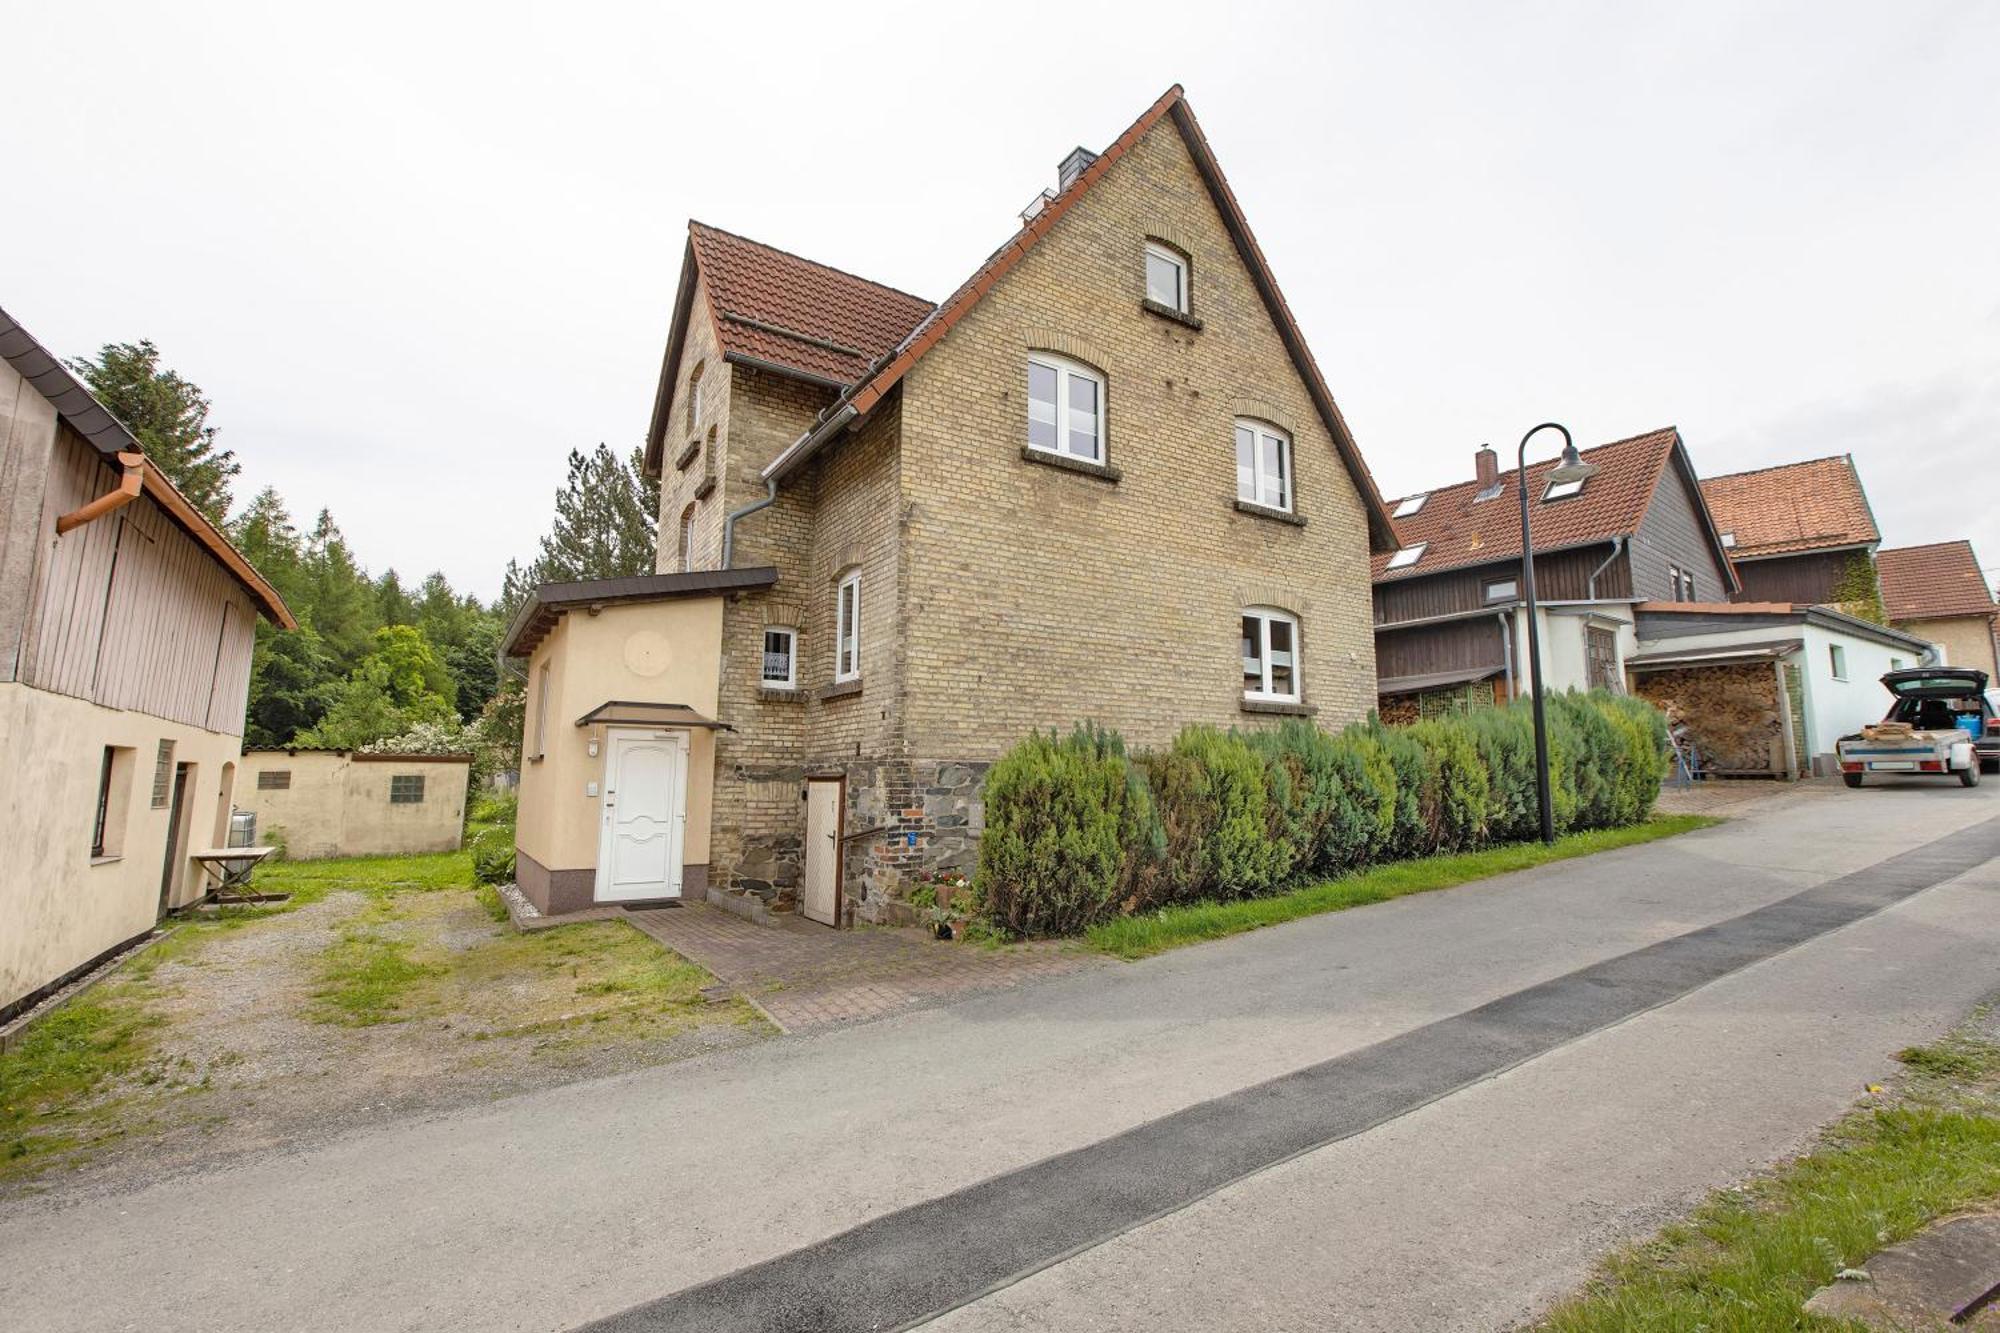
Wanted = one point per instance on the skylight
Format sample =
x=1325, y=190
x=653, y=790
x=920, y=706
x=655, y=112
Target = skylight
x=1408, y=556
x=1562, y=490
x=1729, y=539
x=1411, y=505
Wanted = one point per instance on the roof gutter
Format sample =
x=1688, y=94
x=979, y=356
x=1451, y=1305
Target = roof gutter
x=799, y=450
x=127, y=491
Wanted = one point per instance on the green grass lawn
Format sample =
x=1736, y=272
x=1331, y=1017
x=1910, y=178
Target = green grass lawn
x=1749, y=1258
x=1172, y=927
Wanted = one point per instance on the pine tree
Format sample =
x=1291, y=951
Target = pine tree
x=338, y=600
x=168, y=416
x=607, y=516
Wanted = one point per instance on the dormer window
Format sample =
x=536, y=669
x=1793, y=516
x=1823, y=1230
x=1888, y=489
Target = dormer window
x=1408, y=556
x=1166, y=277
x=1411, y=505
x=1562, y=490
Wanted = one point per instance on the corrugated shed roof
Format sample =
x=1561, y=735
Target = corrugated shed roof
x=1795, y=507
x=1933, y=582
x=1457, y=530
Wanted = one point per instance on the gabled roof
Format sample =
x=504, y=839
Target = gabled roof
x=857, y=401
x=777, y=311
x=77, y=406
x=1458, y=531
x=1816, y=505
x=1933, y=582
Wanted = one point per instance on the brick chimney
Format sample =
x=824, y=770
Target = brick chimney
x=1486, y=465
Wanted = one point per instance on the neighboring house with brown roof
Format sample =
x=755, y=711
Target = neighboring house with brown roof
x=1938, y=593
x=1450, y=620
x=1102, y=480
x=126, y=626
x=1795, y=532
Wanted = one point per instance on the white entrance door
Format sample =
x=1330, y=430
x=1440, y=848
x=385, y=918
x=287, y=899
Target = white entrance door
x=822, y=889
x=645, y=816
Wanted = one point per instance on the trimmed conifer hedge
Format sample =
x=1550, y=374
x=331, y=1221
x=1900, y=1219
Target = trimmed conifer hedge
x=1078, y=831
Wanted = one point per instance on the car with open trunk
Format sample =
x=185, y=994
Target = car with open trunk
x=1941, y=723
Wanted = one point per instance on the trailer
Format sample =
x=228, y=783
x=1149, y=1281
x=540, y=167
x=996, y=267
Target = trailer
x=1939, y=718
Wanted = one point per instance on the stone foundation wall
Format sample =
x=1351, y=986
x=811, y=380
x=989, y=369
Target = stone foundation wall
x=901, y=819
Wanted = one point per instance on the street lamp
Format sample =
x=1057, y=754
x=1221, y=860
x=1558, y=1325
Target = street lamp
x=1572, y=468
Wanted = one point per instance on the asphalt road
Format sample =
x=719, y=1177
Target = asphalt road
x=1428, y=1114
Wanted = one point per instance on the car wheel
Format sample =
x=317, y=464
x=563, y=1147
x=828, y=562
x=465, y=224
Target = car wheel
x=1969, y=776
x=1851, y=779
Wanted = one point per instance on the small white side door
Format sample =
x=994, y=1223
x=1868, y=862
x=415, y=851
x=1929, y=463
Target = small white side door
x=644, y=815
x=821, y=899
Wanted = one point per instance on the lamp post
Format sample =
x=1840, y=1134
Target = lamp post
x=1571, y=468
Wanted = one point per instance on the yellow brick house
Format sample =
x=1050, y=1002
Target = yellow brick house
x=1103, y=480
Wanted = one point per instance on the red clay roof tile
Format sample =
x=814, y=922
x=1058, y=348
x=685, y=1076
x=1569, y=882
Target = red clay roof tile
x=1810, y=506
x=776, y=307
x=1933, y=582
x=1458, y=531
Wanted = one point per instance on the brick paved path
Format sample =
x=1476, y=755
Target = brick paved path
x=807, y=976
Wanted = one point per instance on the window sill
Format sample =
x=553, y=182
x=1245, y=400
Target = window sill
x=1167, y=312
x=1280, y=707
x=781, y=694
x=688, y=455
x=1102, y=471
x=1256, y=510
x=707, y=487
x=841, y=689
x=106, y=860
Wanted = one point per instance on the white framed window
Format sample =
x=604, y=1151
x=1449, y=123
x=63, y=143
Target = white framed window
x=1502, y=590
x=1065, y=408
x=1166, y=277
x=1263, y=465
x=1411, y=505
x=1408, y=556
x=694, y=398
x=1837, y=659
x=781, y=660
x=1270, y=655
x=847, y=628
x=1562, y=490
x=1687, y=585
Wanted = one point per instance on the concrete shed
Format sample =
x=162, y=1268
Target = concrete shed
x=346, y=803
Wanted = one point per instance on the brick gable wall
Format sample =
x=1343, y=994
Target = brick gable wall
x=1000, y=594
x=1119, y=600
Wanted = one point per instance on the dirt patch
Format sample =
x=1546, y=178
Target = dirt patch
x=275, y=1031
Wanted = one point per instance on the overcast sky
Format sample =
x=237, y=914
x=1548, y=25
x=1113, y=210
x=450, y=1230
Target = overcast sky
x=416, y=253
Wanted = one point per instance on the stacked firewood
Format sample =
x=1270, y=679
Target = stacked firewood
x=1729, y=711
